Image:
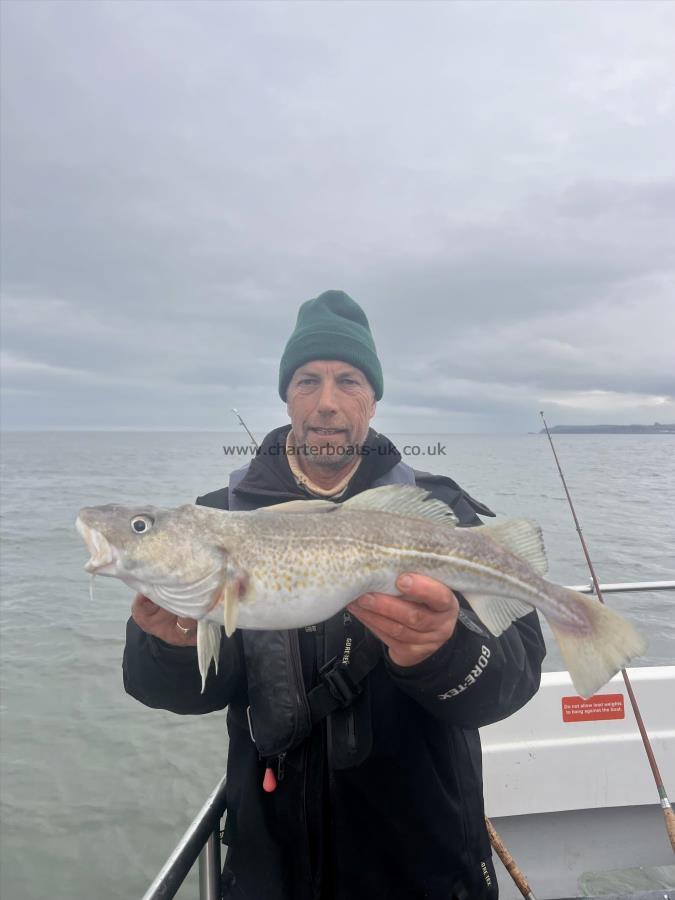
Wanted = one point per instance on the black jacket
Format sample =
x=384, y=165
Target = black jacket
x=381, y=800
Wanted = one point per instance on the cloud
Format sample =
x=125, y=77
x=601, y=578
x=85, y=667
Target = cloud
x=178, y=178
x=13, y=365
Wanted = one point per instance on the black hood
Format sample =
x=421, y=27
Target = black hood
x=269, y=478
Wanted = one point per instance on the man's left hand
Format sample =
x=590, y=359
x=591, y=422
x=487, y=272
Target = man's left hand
x=414, y=625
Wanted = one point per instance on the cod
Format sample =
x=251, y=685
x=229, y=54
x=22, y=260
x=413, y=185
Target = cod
x=299, y=563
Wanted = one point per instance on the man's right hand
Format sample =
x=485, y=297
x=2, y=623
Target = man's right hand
x=162, y=624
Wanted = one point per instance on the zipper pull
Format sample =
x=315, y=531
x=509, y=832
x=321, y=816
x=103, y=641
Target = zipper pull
x=269, y=781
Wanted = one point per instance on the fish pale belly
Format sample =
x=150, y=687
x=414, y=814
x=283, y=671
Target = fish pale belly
x=284, y=609
x=264, y=609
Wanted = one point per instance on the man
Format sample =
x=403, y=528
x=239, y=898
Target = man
x=354, y=767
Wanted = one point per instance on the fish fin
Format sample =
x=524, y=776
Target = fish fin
x=592, y=656
x=522, y=538
x=496, y=613
x=404, y=499
x=230, y=604
x=208, y=647
x=303, y=506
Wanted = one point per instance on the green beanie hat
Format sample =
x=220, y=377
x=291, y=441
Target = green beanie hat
x=331, y=326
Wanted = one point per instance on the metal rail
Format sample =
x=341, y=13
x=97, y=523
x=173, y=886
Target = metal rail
x=625, y=587
x=202, y=838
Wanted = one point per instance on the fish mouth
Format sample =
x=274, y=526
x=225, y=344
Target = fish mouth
x=102, y=553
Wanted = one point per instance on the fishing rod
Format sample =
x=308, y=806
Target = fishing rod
x=245, y=427
x=509, y=862
x=668, y=814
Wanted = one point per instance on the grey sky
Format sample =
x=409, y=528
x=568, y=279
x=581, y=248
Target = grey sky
x=495, y=183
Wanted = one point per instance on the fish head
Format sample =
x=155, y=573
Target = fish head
x=165, y=554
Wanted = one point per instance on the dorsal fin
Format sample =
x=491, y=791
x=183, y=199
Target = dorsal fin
x=301, y=506
x=522, y=538
x=404, y=499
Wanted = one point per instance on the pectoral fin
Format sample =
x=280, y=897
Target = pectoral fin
x=230, y=605
x=208, y=647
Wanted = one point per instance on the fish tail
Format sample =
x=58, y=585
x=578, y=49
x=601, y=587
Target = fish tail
x=593, y=653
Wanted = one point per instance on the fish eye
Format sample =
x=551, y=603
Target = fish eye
x=141, y=524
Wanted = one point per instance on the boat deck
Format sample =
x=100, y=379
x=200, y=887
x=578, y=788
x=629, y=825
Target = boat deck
x=649, y=895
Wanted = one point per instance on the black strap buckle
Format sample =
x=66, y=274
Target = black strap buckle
x=335, y=675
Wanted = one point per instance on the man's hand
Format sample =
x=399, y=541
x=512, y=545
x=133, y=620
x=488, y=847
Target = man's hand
x=164, y=625
x=414, y=625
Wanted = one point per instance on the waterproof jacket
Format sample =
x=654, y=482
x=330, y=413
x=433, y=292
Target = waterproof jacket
x=381, y=799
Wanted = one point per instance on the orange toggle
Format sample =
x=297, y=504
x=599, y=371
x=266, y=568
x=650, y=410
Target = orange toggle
x=269, y=781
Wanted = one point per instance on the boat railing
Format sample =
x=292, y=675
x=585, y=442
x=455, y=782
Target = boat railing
x=202, y=839
x=624, y=587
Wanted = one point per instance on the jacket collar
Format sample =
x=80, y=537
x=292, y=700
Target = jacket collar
x=269, y=478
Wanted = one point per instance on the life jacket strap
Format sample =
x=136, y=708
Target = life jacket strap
x=340, y=683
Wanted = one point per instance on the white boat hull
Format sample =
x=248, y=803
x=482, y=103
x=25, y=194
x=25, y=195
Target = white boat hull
x=577, y=797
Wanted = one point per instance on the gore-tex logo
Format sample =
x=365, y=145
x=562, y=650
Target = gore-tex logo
x=472, y=677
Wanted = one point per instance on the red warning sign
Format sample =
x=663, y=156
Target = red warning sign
x=596, y=708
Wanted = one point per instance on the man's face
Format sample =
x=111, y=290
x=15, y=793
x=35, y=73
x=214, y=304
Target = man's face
x=330, y=404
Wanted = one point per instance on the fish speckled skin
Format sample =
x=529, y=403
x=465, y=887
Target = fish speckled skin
x=300, y=563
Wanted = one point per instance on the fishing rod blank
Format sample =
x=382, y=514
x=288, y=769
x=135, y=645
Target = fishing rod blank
x=245, y=426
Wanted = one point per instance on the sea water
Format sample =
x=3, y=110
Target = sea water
x=96, y=789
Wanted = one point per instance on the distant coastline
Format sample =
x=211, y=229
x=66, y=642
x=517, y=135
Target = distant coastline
x=656, y=428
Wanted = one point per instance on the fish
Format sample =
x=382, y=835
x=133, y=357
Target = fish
x=299, y=563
